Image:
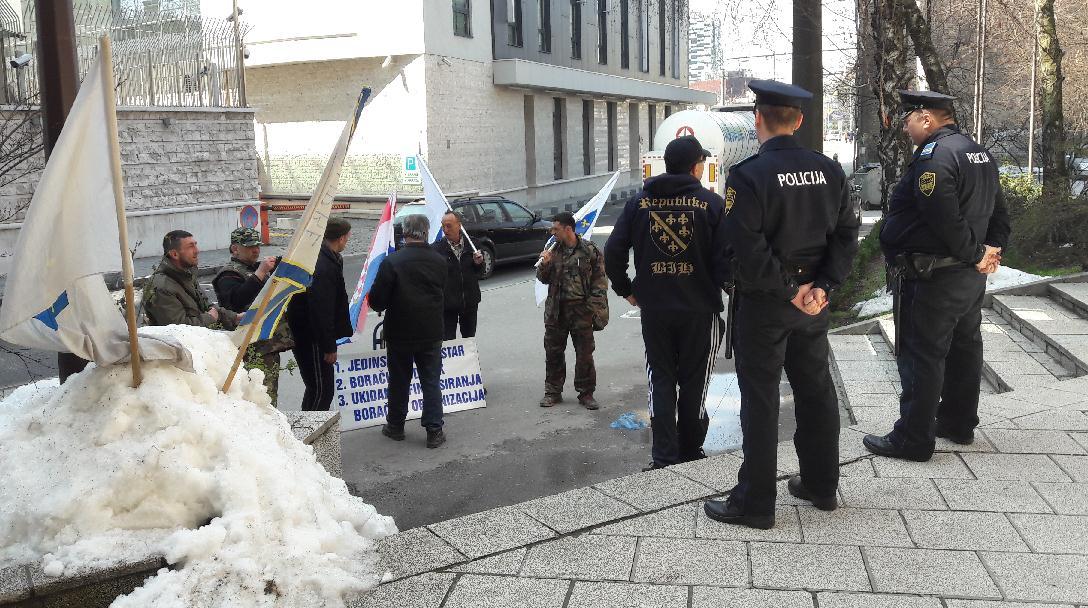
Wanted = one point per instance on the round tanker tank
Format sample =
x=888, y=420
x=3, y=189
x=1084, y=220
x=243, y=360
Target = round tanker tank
x=728, y=134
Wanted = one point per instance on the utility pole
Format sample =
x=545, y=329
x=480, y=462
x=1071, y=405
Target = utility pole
x=240, y=53
x=58, y=79
x=980, y=69
x=808, y=68
x=1031, y=103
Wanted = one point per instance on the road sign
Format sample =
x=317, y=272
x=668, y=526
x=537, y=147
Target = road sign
x=249, y=217
x=411, y=171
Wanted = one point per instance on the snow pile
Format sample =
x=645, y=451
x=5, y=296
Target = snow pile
x=96, y=473
x=881, y=302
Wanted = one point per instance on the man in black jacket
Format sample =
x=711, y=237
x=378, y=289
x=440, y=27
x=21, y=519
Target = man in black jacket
x=462, y=296
x=318, y=317
x=945, y=230
x=794, y=235
x=409, y=288
x=677, y=229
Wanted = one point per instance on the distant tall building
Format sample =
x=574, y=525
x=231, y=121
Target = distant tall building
x=705, y=46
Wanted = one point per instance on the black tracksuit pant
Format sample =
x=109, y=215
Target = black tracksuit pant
x=772, y=335
x=940, y=356
x=680, y=350
x=316, y=375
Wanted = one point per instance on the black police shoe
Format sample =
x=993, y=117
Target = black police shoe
x=883, y=446
x=396, y=434
x=961, y=438
x=798, y=490
x=693, y=456
x=727, y=513
x=435, y=437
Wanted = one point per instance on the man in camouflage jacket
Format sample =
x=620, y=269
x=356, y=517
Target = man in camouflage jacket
x=236, y=287
x=172, y=295
x=577, y=305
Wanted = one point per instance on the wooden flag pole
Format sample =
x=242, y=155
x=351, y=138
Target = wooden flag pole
x=105, y=61
x=249, y=333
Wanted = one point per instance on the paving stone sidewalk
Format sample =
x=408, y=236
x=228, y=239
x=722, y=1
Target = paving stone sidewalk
x=1001, y=523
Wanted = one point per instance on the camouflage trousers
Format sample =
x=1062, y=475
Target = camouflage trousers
x=576, y=321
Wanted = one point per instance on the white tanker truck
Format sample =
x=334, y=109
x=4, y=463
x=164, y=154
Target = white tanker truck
x=728, y=133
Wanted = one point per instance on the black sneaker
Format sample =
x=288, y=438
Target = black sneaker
x=394, y=433
x=798, y=490
x=652, y=466
x=435, y=437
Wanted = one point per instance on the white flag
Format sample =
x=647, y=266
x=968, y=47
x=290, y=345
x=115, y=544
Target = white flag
x=584, y=221
x=55, y=297
x=437, y=205
x=295, y=270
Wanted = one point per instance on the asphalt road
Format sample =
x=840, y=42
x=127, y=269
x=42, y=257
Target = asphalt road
x=513, y=450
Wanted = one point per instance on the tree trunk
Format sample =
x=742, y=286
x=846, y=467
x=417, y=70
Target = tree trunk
x=894, y=71
x=1053, y=146
x=922, y=38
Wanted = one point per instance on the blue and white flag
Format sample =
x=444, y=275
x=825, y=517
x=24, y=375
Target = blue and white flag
x=437, y=205
x=584, y=221
x=55, y=297
x=295, y=270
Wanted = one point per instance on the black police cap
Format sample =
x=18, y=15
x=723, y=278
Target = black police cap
x=774, y=93
x=922, y=100
x=683, y=153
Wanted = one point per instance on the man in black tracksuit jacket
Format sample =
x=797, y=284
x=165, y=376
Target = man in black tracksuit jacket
x=409, y=288
x=794, y=235
x=676, y=228
x=318, y=317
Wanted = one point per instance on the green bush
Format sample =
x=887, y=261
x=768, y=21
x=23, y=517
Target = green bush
x=1047, y=234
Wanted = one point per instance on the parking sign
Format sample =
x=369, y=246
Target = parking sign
x=411, y=171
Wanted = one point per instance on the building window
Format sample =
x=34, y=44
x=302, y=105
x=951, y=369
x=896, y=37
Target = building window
x=576, y=29
x=513, y=20
x=675, y=39
x=544, y=18
x=661, y=33
x=462, y=18
x=611, y=136
x=587, y=137
x=643, y=36
x=652, y=111
x=625, y=37
x=602, y=32
x=668, y=111
x=559, y=138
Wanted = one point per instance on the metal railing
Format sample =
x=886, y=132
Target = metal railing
x=171, y=58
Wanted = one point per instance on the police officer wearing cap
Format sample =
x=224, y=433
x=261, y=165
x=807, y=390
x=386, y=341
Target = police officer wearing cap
x=793, y=235
x=676, y=227
x=945, y=230
x=237, y=285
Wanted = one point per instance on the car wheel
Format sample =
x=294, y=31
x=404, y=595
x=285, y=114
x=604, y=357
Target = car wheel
x=488, y=267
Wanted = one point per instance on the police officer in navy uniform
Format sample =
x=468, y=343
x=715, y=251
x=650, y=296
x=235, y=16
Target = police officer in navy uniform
x=793, y=234
x=945, y=230
x=677, y=229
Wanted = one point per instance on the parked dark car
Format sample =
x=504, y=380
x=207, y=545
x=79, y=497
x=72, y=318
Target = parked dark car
x=501, y=229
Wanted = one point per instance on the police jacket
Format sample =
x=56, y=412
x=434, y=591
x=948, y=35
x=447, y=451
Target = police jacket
x=319, y=315
x=677, y=230
x=410, y=288
x=462, y=284
x=789, y=220
x=948, y=203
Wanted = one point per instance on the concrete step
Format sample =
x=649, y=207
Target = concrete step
x=1073, y=296
x=867, y=378
x=1059, y=331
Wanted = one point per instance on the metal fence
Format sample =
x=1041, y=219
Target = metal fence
x=161, y=57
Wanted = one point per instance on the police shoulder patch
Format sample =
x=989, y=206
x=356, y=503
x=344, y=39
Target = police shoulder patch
x=927, y=182
x=927, y=151
x=730, y=198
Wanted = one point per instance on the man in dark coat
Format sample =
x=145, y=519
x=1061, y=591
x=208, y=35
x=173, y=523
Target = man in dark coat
x=462, y=297
x=318, y=317
x=409, y=289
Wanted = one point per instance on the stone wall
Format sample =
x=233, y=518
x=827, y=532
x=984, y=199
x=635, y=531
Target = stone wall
x=188, y=168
